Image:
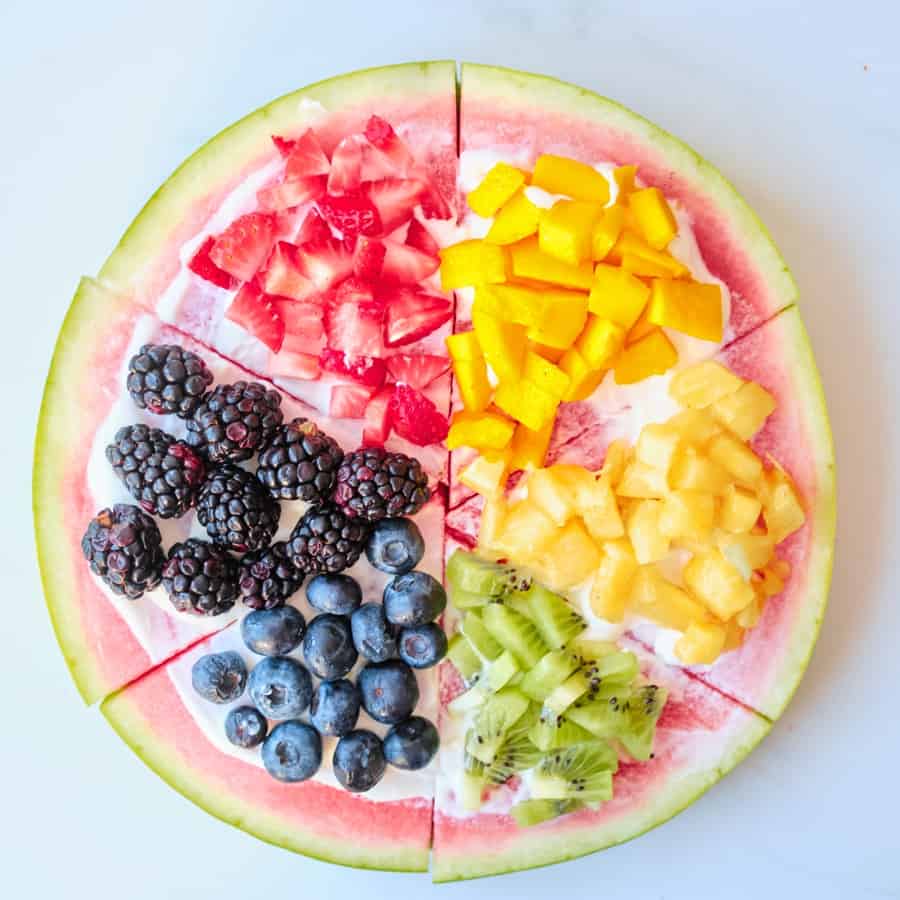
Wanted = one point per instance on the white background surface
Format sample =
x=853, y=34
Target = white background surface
x=797, y=103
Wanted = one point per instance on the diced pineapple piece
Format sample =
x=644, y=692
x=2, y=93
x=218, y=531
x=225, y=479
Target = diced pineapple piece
x=484, y=430
x=529, y=447
x=618, y=455
x=769, y=582
x=739, y=509
x=566, y=229
x=526, y=530
x=736, y=458
x=657, y=445
x=701, y=385
x=560, y=175
x=638, y=257
x=516, y=220
x=600, y=342
x=612, y=583
x=718, y=584
x=756, y=549
x=566, y=313
x=545, y=375
x=734, y=636
x=750, y=615
x=642, y=528
x=528, y=261
x=701, y=643
x=691, y=471
x=624, y=178
x=552, y=494
x=526, y=403
x=642, y=481
x=472, y=380
x=687, y=306
x=493, y=517
x=662, y=602
x=496, y=189
x=654, y=217
x=503, y=343
x=696, y=426
x=617, y=295
x=651, y=355
x=470, y=263
x=601, y=513
x=782, y=510
x=745, y=411
x=688, y=514
x=570, y=557
x=484, y=476
x=606, y=231
x=464, y=345
x=583, y=380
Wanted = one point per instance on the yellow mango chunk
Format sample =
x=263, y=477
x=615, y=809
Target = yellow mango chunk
x=472, y=380
x=701, y=643
x=600, y=342
x=529, y=447
x=745, y=411
x=617, y=295
x=527, y=261
x=651, y=355
x=545, y=375
x=624, y=177
x=701, y=385
x=513, y=303
x=687, y=514
x=570, y=557
x=517, y=219
x=643, y=259
x=717, y=584
x=554, y=354
x=692, y=471
x=657, y=444
x=736, y=458
x=470, y=263
x=618, y=455
x=642, y=327
x=642, y=527
x=606, y=231
x=484, y=430
x=688, y=307
x=642, y=481
x=526, y=403
x=526, y=531
x=493, y=516
x=654, y=217
x=739, y=509
x=560, y=175
x=564, y=319
x=503, y=343
x=484, y=476
x=498, y=186
x=612, y=582
x=464, y=345
x=583, y=380
x=782, y=510
x=662, y=602
x=566, y=229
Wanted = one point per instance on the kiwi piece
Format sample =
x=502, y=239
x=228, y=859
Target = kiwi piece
x=550, y=732
x=495, y=718
x=572, y=689
x=551, y=671
x=645, y=706
x=589, y=650
x=620, y=667
x=533, y=812
x=517, y=752
x=468, y=600
x=581, y=772
x=462, y=654
x=473, y=783
x=479, y=637
x=468, y=701
x=556, y=621
x=502, y=671
x=518, y=601
x=515, y=633
x=604, y=716
x=468, y=572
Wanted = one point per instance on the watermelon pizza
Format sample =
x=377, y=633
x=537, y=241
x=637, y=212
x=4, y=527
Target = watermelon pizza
x=438, y=461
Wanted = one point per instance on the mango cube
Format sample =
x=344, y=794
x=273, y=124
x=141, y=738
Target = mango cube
x=691, y=471
x=570, y=557
x=513, y=303
x=657, y=445
x=517, y=219
x=717, y=584
x=618, y=455
x=624, y=177
x=472, y=380
x=566, y=229
x=642, y=327
x=612, y=582
x=470, y=263
x=653, y=354
x=687, y=306
x=484, y=476
x=529, y=447
x=496, y=189
x=642, y=527
x=528, y=261
x=701, y=385
x=503, y=343
x=565, y=315
x=736, y=458
x=782, y=510
x=553, y=354
x=583, y=380
x=464, y=345
x=637, y=256
x=701, y=643
x=654, y=217
x=560, y=175
x=545, y=375
x=745, y=411
x=739, y=509
x=606, y=231
x=662, y=602
x=526, y=403
x=526, y=531
x=600, y=342
x=617, y=295
x=642, y=481
x=484, y=431
x=687, y=515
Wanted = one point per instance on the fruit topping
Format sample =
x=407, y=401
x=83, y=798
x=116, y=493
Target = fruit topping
x=373, y=484
x=346, y=164
x=354, y=320
x=378, y=418
x=417, y=370
x=338, y=594
x=267, y=578
x=373, y=636
x=244, y=245
x=306, y=157
x=418, y=236
x=394, y=199
x=219, y=677
x=201, y=264
x=416, y=418
x=200, y=577
x=422, y=646
x=405, y=264
x=358, y=761
x=273, y=632
x=328, y=647
x=352, y=214
x=395, y=546
x=366, y=370
x=280, y=687
x=246, y=727
x=412, y=315
x=411, y=744
x=349, y=401
x=389, y=691
x=335, y=707
x=166, y=379
x=414, y=598
x=292, y=752
x=289, y=194
x=327, y=540
x=382, y=136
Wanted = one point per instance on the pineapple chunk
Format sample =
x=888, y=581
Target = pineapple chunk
x=470, y=263
x=606, y=231
x=560, y=175
x=472, y=380
x=642, y=528
x=717, y=584
x=691, y=471
x=484, y=476
x=583, y=380
x=552, y=493
x=566, y=229
x=653, y=354
x=769, y=581
x=484, y=431
x=526, y=530
x=750, y=615
x=687, y=514
x=734, y=636
x=600, y=342
x=566, y=313
x=701, y=643
x=493, y=516
x=600, y=512
x=657, y=446
x=569, y=558
x=526, y=403
x=687, y=306
x=612, y=583
x=498, y=186
x=654, y=217
x=618, y=455
x=528, y=261
x=739, y=509
x=516, y=220
x=662, y=602
x=642, y=481
x=736, y=458
x=756, y=549
x=617, y=295
x=745, y=411
x=545, y=375
x=528, y=447
x=503, y=343
x=782, y=511
x=696, y=426
x=701, y=385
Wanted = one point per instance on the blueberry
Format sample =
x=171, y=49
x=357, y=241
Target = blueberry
x=423, y=645
x=335, y=707
x=292, y=752
x=339, y=594
x=389, y=691
x=374, y=637
x=280, y=687
x=359, y=761
x=219, y=677
x=246, y=726
x=328, y=646
x=273, y=632
x=395, y=546
x=411, y=744
x=414, y=599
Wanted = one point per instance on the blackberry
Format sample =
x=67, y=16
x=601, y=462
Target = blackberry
x=200, y=577
x=326, y=540
x=123, y=546
x=374, y=484
x=267, y=578
x=164, y=378
x=235, y=421
x=300, y=463
x=162, y=474
x=236, y=510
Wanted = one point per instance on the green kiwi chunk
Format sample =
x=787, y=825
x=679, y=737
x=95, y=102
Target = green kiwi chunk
x=479, y=637
x=495, y=718
x=581, y=772
x=556, y=621
x=462, y=654
x=468, y=572
x=550, y=672
x=514, y=633
x=533, y=812
x=551, y=732
x=517, y=752
x=502, y=671
x=468, y=600
x=645, y=706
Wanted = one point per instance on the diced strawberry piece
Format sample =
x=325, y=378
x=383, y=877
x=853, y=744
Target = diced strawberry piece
x=416, y=418
x=302, y=320
x=294, y=364
x=367, y=370
x=292, y=193
x=378, y=418
x=381, y=135
x=314, y=229
x=284, y=145
x=395, y=199
x=368, y=259
x=349, y=401
x=417, y=370
x=352, y=214
x=412, y=315
x=376, y=166
x=419, y=236
x=252, y=311
x=354, y=320
x=406, y=264
x=324, y=263
x=346, y=165
x=244, y=245
x=307, y=158
x=283, y=278
x=203, y=266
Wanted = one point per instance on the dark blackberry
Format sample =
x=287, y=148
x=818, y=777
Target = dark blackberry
x=373, y=484
x=300, y=463
x=123, y=546
x=162, y=474
x=236, y=510
x=235, y=421
x=200, y=577
x=165, y=378
x=326, y=540
x=267, y=578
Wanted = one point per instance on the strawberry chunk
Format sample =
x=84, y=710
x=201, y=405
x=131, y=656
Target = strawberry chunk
x=252, y=311
x=283, y=277
x=307, y=158
x=376, y=166
x=288, y=194
x=419, y=236
x=283, y=145
x=368, y=259
x=354, y=320
x=395, y=199
x=325, y=263
x=367, y=370
x=302, y=321
x=349, y=401
x=416, y=418
x=417, y=370
x=244, y=245
x=352, y=214
x=378, y=418
x=346, y=165
x=407, y=265
x=313, y=229
x=412, y=315
x=203, y=266
x=380, y=134
x=294, y=364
